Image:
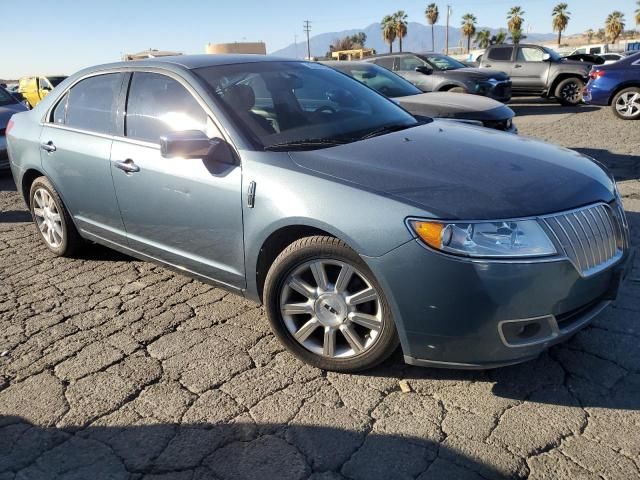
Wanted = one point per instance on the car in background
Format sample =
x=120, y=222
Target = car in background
x=9, y=105
x=34, y=89
x=358, y=226
x=481, y=110
x=617, y=85
x=612, y=57
x=434, y=72
x=540, y=71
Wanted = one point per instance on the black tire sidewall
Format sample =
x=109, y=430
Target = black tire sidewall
x=316, y=248
x=615, y=100
x=69, y=240
x=561, y=85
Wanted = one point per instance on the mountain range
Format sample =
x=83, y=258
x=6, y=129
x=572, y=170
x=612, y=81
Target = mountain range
x=418, y=39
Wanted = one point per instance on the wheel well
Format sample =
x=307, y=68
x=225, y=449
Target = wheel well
x=276, y=243
x=622, y=87
x=446, y=88
x=27, y=179
x=560, y=78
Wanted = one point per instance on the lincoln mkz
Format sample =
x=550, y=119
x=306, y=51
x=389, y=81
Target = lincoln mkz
x=358, y=226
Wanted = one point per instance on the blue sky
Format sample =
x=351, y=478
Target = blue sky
x=62, y=36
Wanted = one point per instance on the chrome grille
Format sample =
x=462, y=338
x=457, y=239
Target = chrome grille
x=592, y=238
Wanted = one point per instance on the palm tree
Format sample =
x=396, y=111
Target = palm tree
x=389, y=31
x=560, y=19
x=432, y=15
x=590, y=34
x=469, y=28
x=483, y=38
x=400, y=18
x=601, y=34
x=638, y=13
x=517, y=36
x=615, y=25
x=515, y=18
x=499, y=38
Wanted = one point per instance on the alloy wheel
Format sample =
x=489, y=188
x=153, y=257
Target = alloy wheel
x=48, y=218
x=331, y=309
x=571, y=92
x=628, y=104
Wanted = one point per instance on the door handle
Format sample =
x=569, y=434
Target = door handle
x=488, y=65
x=517, y=65
x=48, y=147
x=127, y=166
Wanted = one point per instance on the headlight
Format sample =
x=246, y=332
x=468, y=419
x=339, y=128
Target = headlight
x=521, y=238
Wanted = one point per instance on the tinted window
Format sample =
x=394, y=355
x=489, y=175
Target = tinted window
x=530, y=54
x=410, y=63
x=92, y=103
x=158, y=105
x=381, y=80
x=60, y=112
x=6, y=98
x=501, y=54
x=442, y=62
x=386, y=62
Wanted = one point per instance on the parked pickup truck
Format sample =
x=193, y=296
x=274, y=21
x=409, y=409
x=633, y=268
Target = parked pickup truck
x=539, y=70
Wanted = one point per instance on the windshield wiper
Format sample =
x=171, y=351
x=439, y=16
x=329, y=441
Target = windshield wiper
x=386, y=129
x=306, y=144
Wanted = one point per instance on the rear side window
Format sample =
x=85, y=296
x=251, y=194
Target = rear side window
x=91, y=104
x=501, y=54
x=386, y=62
x=158, y=105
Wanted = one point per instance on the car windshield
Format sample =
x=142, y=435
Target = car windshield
x=54, y=81
x=442, y=62
x=301, y=105
x=380, y=79
x=6, y=98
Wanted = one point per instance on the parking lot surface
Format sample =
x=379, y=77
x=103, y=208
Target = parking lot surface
x=115, y=368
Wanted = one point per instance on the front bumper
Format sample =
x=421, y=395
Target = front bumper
x=500, y=91
x=453, y=312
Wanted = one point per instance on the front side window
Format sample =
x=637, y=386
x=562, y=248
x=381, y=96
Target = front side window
x=529, y=54
x=442, y=62
x=158, y=105
x=382, y=80
x=500, y=54
x=305, y=102
x=92, y=103
x=410, y=63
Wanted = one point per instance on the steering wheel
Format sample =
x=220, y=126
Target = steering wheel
x=325, y=108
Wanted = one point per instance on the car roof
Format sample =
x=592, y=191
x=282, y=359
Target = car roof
x=379, y=55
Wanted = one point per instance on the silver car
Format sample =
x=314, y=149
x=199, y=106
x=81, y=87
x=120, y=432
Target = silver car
x=359, y=227
x=8, y=106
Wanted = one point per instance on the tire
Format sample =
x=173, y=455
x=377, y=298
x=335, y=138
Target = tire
x=324, y=326
x=569, y=91
x=52, y=219
x=457, y=90
x=626, y=104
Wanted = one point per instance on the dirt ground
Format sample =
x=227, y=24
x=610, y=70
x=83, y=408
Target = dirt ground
x=112, y=368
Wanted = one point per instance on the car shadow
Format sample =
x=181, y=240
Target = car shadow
x=15, y=216
x=233, y=449
x=6, y=182
x=543, y=106
x=623, y=167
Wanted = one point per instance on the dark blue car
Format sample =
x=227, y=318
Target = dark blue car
x=618, y=85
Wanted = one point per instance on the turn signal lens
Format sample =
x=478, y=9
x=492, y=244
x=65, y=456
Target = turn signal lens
x=430, y=233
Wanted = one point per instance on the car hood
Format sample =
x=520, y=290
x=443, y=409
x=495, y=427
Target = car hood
x=456, y=105
x=477, y=73
x=7, y=111
x=456, y=171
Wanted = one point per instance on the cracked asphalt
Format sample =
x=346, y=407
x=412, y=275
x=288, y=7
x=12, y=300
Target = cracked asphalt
x=111, y=368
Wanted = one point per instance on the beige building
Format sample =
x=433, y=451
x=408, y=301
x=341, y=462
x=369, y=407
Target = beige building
x=237, y=47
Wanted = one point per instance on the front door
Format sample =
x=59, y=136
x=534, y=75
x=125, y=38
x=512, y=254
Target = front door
x=186, y=212
x=75, y=152
x=530, y=70
x=407, y=65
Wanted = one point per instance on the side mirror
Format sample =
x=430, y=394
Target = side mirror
x=546, y=57
x=188, y=144
x=424, y=70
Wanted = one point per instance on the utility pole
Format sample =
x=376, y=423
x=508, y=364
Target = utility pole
x=307, y=30
x=446, y=36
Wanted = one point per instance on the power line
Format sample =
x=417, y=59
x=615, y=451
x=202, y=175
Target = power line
x=307, y=30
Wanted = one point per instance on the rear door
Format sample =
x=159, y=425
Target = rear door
x=76, y=142
x=499, y=58
x=530, y=71
x=185, y=212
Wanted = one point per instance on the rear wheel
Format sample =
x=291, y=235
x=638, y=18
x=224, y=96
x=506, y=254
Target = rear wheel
x=569, y=91
x=51, y=217
x=626, y=104
x=326, y=307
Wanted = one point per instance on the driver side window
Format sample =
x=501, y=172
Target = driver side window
x=410, y=63
x=529, y=54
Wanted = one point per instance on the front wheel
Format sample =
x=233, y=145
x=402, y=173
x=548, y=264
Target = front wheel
x=626, y=104
x=569, y=91
x=326, y=307
x=457, y=90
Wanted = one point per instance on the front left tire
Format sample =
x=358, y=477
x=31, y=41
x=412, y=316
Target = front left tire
x=326, y=307
x=55, y=227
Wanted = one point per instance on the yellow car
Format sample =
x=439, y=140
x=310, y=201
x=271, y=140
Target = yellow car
x=34, y=89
